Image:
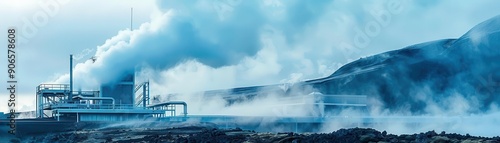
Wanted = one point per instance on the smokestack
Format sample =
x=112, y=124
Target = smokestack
x=70, y=76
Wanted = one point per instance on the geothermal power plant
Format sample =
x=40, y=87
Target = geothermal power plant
x=60, y=108
x=395, y=79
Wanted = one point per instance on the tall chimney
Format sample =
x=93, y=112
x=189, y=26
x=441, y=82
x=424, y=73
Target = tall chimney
x=70, y=77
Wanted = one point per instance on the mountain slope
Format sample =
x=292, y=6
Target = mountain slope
x=411, y=77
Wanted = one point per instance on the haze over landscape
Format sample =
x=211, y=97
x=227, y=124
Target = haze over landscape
x=332, y=47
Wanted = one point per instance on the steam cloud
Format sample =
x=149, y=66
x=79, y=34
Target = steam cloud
x=196, y=45
x=215, y=34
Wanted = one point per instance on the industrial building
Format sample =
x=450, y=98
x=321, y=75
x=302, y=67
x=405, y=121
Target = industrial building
x=60, y=108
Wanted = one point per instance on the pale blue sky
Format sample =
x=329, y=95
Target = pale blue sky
x=294, y=40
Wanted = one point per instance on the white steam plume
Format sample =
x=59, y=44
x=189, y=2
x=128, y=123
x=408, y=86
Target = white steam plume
x=200, y=44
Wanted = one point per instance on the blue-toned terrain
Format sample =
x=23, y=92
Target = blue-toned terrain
x=408, y=79
x=411, y=77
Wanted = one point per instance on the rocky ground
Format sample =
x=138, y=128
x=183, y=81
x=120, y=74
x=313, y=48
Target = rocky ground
x=196, y=134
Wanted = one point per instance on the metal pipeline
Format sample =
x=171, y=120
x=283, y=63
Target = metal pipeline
x=96, y=98
x=171, y=103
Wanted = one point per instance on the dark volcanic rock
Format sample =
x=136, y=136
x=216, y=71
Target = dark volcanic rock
x=212, y=135
x=347, y=135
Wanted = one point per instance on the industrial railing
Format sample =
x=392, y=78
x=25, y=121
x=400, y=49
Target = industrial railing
x=165, y=106
x=64, y=87
x=88, y=93
x=91, y=106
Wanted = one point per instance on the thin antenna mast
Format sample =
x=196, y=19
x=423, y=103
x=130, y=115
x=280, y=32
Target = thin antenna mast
x=131, y=16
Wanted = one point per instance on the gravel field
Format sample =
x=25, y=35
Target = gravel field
x=195, y=134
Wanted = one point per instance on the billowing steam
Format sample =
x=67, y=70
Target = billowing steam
x=195, y=45
x=257, y=42
x=171, y=39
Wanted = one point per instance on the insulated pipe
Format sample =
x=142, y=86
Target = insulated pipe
x=170, y=103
